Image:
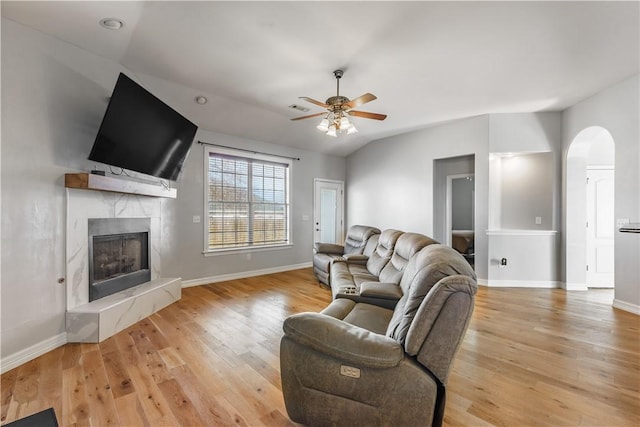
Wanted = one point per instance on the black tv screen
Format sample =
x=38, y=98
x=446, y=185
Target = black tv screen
x=141, y=133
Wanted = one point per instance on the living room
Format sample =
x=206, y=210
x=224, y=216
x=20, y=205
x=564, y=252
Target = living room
x=54, y=94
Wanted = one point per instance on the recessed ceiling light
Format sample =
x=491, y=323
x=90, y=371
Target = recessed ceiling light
x=112, y=23
x=201, y=100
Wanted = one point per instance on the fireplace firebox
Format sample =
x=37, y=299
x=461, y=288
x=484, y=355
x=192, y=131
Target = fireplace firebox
x=118, y=255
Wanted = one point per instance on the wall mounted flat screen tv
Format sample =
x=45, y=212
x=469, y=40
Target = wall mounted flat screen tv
x=141, y=133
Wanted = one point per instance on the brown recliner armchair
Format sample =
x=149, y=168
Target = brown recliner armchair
x=361, y=364
x=354, y=244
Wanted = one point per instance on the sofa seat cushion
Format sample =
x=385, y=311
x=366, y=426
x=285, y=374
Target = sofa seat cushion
x=359, y=279
x=370, y=317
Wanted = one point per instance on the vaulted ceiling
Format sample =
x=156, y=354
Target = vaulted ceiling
x=427, y=62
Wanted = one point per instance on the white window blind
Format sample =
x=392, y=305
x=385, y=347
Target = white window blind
x=247, y=202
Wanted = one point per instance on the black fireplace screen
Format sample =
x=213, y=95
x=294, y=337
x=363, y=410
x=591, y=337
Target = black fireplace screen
x=118, y=255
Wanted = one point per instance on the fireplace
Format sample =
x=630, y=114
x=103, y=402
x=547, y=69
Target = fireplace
x=118, y=255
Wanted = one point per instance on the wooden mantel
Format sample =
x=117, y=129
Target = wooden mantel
x=88, y=181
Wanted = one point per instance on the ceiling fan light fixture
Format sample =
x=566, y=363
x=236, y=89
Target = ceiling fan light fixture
x=336, y=120
x=323, y=125
x=344, y=123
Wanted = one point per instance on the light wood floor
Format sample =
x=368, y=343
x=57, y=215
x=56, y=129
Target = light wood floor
x=530, y=357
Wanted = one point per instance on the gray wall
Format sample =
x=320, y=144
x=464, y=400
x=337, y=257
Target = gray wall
x=183, y=257
x=53, y=98
x=524, y=134
x=462, y=195
x=527, y=191
x=617, y=110
x=390, y=182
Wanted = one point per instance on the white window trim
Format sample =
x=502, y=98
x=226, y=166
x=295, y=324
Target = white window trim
x=205, y=182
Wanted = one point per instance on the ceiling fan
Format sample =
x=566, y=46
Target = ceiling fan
x=339, y=108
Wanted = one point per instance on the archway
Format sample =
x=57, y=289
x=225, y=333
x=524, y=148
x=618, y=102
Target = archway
x=592, y=149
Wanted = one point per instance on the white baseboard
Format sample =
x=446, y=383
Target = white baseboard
x=243, y=274
x=542, y=284
x=30, y=353
x=622, y=305
x=576, y=287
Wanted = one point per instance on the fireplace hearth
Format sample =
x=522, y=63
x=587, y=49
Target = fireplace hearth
x=118, y=255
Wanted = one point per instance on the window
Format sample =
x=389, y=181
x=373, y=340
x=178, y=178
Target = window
x=247, y=200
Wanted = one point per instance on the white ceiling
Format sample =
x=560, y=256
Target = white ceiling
x=427, y=62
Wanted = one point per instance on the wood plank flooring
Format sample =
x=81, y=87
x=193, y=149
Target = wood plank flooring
x=531, y=357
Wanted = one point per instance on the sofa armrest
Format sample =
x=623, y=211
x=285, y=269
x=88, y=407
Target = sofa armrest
x=356, y=259
x=389, y=291
x=328, y=248
x=343, y=341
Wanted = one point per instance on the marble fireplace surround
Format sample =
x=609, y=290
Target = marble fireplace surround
x=97, y=320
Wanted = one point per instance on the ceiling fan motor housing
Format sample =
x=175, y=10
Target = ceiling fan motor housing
x=336, y=101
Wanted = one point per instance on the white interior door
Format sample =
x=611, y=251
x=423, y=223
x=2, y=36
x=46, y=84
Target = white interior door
x=328, y=211
x=600, y=228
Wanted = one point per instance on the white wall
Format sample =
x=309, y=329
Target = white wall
x=390, y=181
x=617, y=110
x=183, y=257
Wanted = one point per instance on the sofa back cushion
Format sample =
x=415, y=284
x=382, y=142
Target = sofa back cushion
x=357, y=237
x=371, y=245
x=407, y=246
x=384, y=249
x=423, y=271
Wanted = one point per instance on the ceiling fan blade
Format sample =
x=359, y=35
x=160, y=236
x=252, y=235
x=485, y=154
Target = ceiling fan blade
x=309, y=116
x=366, y=115
x=362, y=99
x=313, y=101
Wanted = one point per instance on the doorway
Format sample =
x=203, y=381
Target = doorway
x=328, y=211
x=590, y=210
x=460, y=214
x=454, y=203
x=600, y=228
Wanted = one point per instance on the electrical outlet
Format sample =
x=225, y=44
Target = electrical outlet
x=196, y=219
x=503, y=262
x=538, y=220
